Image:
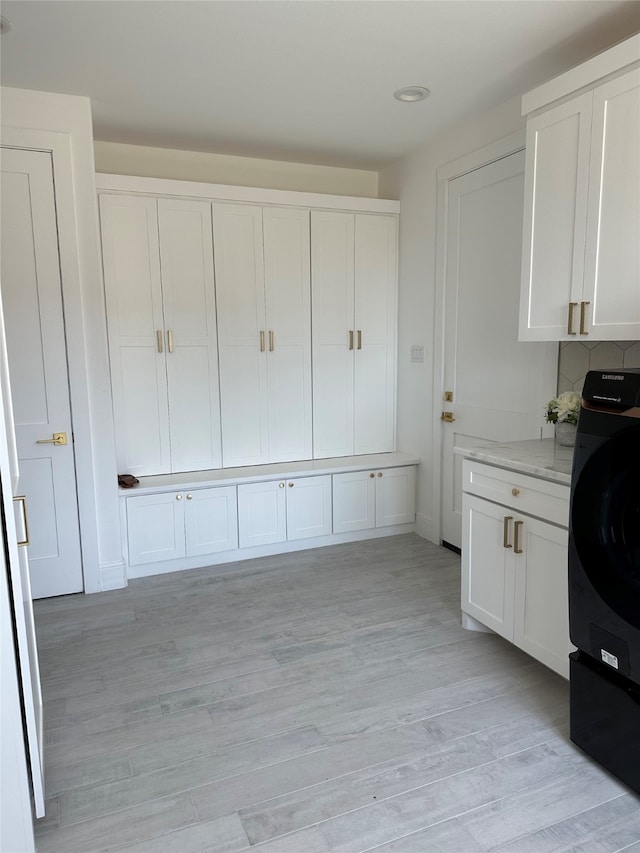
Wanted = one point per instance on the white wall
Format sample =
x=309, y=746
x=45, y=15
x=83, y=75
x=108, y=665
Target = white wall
x=413, y=180
x=118, y=159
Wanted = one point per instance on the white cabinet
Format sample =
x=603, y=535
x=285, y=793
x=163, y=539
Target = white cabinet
x=281, y=510
x=158, y=268
x=170, y=525
x=366, y=499
x=514, y=565
x=264, y=322
x=353, y=282
x=581, y=244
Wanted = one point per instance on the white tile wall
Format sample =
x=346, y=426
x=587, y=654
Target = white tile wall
x=577, y=357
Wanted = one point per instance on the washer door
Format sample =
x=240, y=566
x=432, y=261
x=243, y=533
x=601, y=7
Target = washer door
x=605, y=519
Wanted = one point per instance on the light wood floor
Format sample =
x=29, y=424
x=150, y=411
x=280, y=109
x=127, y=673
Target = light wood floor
x=326, y=700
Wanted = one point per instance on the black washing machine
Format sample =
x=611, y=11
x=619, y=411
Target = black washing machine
x=604, y=574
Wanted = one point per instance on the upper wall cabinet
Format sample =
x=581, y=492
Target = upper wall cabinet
x=262, y=279
x=581, y=246
x=158, y=268
x=353, y=275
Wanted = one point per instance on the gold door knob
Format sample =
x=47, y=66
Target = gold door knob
x=447, y=417
x=59, y=438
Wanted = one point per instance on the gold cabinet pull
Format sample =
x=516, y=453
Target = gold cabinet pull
x=572, y=305
x=271, y=344
x=583, y=309
x=350, y=339
x=261, y=341
x=359, y=338
x=23, y=500
x=516, y=540
x=505, y=531
x=59, y=439
x=159, y=339
x=170, y=340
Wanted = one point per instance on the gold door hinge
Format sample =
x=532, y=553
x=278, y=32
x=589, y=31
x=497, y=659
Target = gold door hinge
x=448, y=396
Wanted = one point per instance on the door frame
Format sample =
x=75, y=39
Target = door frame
x=483, y=156
x=24, y=113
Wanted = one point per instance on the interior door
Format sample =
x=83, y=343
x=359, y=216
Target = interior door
x=32, y=297
x=28, y=669
x=498, y=385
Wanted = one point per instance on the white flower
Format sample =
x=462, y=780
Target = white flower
x=564, y=407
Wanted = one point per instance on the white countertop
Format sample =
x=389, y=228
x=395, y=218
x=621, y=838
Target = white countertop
x=258, y=473
x=539, y=457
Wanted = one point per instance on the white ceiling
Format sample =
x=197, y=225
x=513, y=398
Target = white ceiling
x=303, y=80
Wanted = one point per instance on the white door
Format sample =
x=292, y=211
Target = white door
x=188, y=299
x=332, y=288
x=242, y=333
x=499, y=385
x=32, y=297
x=308, y=507
x=354, y=501
x=211, y=520
x=288, y=324
x=262, y=514
x=15, y=537
x=375, y=332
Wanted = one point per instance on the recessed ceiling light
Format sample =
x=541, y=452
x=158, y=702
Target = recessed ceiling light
x=412, y=93
x=5, y=24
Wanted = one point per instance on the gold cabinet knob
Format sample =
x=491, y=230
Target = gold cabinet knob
x=178, y=497
x=372, y=475
x=291, y=485
x=515, y=492
x=189, y=497
x=281, y=485
x=379, y=473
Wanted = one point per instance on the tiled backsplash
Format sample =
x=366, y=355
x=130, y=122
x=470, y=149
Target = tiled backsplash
x=577, y=357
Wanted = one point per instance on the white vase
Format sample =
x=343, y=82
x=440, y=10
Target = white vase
x=566, y=434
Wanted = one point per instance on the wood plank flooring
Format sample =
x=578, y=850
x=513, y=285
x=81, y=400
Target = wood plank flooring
x=325, y=700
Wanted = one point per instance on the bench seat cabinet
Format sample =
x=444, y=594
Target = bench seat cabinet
x=170, y=525
x=284, y=510
x=581, y=246
x=514, y=564
x=366, y=499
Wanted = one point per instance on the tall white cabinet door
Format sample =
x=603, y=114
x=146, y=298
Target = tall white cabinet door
x=308, y=507
x=613, y=225
x=211, y=520
x=262, y=517
x=288, y=324
x=186, y=256
x=556, y=195
x=155, y=527
x=395, y=496
x=488, y=584
x=135, y=321
x=375, y=324
x=354, y=501
x=541, y=624
x=242, y=338
x=332, y=289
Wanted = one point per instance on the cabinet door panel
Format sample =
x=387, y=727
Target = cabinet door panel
x=211, y=520
x=186, y=252
x=395, y=496
x=556, y=191
x=239, y=272
x=488, y=584
x=354, y=501
x=332, y=293
x=134, y=311
x=541, y=623
x=155, y=527
x=612, y=273
x=308, y=507
x=261, y=513
x=288, y=321
x=375, y=324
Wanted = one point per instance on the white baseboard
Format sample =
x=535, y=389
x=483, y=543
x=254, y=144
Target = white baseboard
x=113, y=575
x=229, y=557
x=426, y=528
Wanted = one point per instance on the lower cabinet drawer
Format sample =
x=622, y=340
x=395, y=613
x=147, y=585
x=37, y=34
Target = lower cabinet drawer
x=523, y=493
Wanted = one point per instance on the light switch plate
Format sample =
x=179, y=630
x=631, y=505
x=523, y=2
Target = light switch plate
x=417, y=353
